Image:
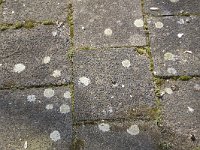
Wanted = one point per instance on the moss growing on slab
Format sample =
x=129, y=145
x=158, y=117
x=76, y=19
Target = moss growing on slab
x=48, y=22
x=141, y=50
x=4, y=27
x=18, y=25
x=29, y=24
x=185, y=78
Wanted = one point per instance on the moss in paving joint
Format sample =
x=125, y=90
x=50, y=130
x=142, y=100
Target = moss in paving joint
x=185, y=78
x=47, y=22
x=70, y=22
x=28, y=24
x=77, y=144
x=142, y=50
x=18, y=25
x=5, y=26
x=1, y=2
x=165, y=146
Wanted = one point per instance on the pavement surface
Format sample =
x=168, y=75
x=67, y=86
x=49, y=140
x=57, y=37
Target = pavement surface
x=99, y=74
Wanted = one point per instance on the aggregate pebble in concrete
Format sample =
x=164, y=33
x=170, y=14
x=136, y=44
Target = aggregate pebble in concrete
x=181, y=108
x=171, y=7
x=34, y=57
x=111, y=83
x=118, y=136
x=175, y=45
x=34, y=118
x=108, y=23
x=39, y=10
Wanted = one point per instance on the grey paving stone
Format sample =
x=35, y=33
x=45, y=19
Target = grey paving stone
x=25, y=54
x=104, y=88
x=38, y=10
x=175, y=45
x=35, y=116
x=171, y=7
x=181, y=108
x=108, y=23
x=118, y=136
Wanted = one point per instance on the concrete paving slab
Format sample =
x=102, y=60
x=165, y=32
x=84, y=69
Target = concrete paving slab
x=38, y=10
x=38, y=118
x=112, y=83
x=108, y=23
x=181, y=108
x=118, y=136
x=171, y=7
x=175, y=45
x=34, y=57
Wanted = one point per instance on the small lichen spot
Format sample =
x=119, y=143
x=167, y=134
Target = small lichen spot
x=55, y=136
x=133, y=130
x=197, y=87
x=49, y=106
x=49, y=92
x=25, y=145
x=159, y=25
x=108, y=32
x=64, y=108
x=19, y=68
x=168, y=91
x=104, y=127
x=84, y=80
x=171, y=71
x=169, y=56
x=54, y=33
x=46, y=60
x=190, y=109
x=67, y=94
x=180, y=35
x=56, y=73
x=139, y=23
x=31, y=98
x=126, y=63
x=174, y=1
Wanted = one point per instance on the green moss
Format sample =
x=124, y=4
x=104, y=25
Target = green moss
x=70, y=53
x=1, y=2
x=197, y=148
x=77, y=144
x=141, y=50
x=4, y=27
x=185, y=78
x=165, y=146
x=47, y=22
x=18, y=25
x=28, y=24
x=70, y=21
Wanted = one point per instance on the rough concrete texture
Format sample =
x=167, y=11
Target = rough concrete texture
x=34, y=57
x=39, y=10
x=37, y=118
x=181, y=108
x=171, y=7
x=175, y=45
x=118, y=136
x=111, y=83
x=108, y=23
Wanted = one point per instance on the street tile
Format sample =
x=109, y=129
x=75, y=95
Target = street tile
x=118, y=136
x=37, y=10
x=181, y=108
x=171, y=7
x=112, y=83
x=175, y=45
x=37, y=118
x=108, y=23
x=34, y=57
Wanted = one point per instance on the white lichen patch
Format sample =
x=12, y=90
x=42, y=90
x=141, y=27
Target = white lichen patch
x=54, y=33
x=55, y=136
x=67, y=94
x=46, y=60
x=133, y=130
x=139, y=23
x=49, y=92
x=169, y=56
x=0, y=65
x=190, y=109
x=171, y=71
x=18, y=68
x=104, y=127
x=174, y=1
x=180, y=35
x=159, y=25
x=168, y=91
x=108, y=32
x=84, y=80
x=49, y=106
x=56, y=73
x=197, y=87
x=25, y=145
x=123, y=85
x=126, y=63
x=31, y=98
x=181, y=21
x=64, y=108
